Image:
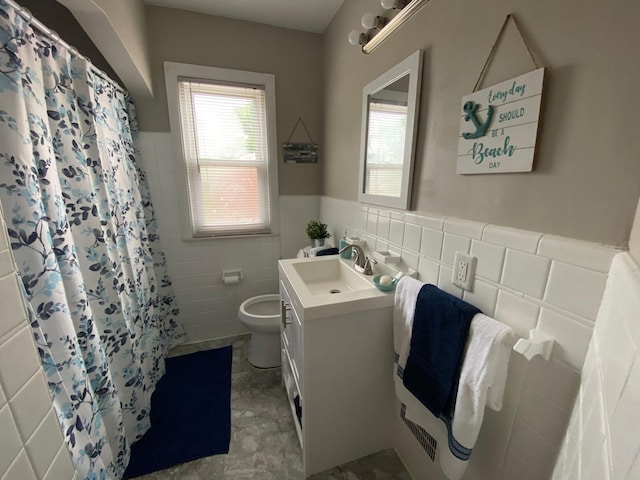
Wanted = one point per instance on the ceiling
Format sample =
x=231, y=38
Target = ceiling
x=306, y=15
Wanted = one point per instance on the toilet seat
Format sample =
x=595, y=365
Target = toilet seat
x=261, y=313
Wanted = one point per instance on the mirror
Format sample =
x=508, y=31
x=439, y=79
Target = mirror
x=389, y=111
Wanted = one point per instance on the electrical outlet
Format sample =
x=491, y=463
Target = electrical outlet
x=464, y=268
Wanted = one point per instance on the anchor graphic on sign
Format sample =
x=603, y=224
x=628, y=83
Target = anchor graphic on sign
x=470, y=108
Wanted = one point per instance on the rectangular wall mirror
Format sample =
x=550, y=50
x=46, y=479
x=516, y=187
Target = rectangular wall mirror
x=389, y=124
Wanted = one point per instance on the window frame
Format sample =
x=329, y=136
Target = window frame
x=173, y=72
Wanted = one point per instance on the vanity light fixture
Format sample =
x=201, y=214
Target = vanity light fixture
x=379, y=28
x=392, y=4
x=358, y=38
x=369, y=21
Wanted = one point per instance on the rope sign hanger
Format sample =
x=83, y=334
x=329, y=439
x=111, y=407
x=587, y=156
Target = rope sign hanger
x=300, y=121
x=499, y=123
x=511, y=17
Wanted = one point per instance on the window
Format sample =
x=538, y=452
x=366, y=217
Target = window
x=385, y=151
x=224, y=122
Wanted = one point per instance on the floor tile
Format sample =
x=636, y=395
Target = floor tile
x=264, y=444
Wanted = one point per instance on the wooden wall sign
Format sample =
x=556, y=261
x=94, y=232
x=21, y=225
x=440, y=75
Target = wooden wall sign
x=300, y=152
x=499, y=126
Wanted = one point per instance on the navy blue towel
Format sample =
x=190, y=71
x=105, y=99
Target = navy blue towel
x=440, y=329
x=328, y=251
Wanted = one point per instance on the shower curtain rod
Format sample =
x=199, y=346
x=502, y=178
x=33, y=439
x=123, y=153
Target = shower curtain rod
x=55, y=38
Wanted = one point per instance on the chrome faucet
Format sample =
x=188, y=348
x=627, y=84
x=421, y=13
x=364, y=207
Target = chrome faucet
x=362, y=263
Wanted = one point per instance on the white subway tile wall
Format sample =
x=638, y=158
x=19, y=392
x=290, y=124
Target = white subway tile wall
x=512, y=238
x=520, y=314
x=431, y=243
x=527, y=280
x=383, y=228
x=396, y=232
x=444, y=282
x=209, y=309
x=452, y=244
x=484, y=296
x=464, y=228
x=575, y=289
x=490, y=260
x=412, y=237
x=31, y=443
x=525, y=272
x=574, y=252
x=602, y=441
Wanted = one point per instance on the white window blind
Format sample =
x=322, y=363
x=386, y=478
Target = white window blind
x=385, y=149
x=224, y=130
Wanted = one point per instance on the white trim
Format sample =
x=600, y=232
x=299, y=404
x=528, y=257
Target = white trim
x=412, y=66
x=174, y=70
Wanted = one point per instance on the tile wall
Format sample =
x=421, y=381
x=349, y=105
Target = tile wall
x=602, y=441
x=31, y=444
x=525, y=279
x=209, y=309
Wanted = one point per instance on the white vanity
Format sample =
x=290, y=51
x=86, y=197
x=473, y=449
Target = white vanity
x=337, y=358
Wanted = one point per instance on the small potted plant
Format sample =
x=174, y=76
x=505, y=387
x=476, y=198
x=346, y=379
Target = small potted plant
x=317, y=232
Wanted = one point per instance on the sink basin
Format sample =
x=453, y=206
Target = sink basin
x=330, y=277
x=326, y=287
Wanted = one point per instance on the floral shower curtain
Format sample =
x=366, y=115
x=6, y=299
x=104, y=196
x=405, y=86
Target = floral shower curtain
x=84, y=238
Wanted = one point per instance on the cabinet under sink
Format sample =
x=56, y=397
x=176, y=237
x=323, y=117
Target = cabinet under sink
x=338, y=372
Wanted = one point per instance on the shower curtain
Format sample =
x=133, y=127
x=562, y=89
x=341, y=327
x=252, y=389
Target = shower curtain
x=83, y=234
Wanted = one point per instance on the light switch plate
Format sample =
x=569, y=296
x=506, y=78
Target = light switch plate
x=464, y=269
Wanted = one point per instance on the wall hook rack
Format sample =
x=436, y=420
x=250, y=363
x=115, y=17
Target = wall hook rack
x=538, y=343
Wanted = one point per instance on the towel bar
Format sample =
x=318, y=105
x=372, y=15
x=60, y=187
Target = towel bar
x=538, y=343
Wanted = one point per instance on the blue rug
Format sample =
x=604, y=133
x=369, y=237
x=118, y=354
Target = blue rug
x=190, y=413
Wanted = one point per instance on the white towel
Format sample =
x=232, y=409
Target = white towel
x=404, y=306
x=495, y=393
x=486, y=354
x=484, y=365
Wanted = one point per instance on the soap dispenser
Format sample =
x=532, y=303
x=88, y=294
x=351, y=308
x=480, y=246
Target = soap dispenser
x=343, y=243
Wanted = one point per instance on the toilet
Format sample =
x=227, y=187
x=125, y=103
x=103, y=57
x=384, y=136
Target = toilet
x=261, y=316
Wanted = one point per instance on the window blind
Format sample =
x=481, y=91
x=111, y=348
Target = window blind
x=385, y=149
x=224, y=132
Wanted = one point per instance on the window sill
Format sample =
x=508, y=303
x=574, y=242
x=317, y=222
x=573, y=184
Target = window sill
x=227, y=237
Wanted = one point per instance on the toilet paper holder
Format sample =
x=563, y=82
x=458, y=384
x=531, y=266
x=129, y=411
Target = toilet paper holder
x=231, y=277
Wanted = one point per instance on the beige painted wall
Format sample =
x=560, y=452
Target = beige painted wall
x=128, y=20
x=118, y=28
x=59, y=19
x=585, y=184
x=294, y=57
x=634, y=242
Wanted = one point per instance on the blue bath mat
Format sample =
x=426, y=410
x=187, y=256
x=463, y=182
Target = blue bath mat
x=190, y=413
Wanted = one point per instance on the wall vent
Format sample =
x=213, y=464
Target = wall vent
x=429, y=444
